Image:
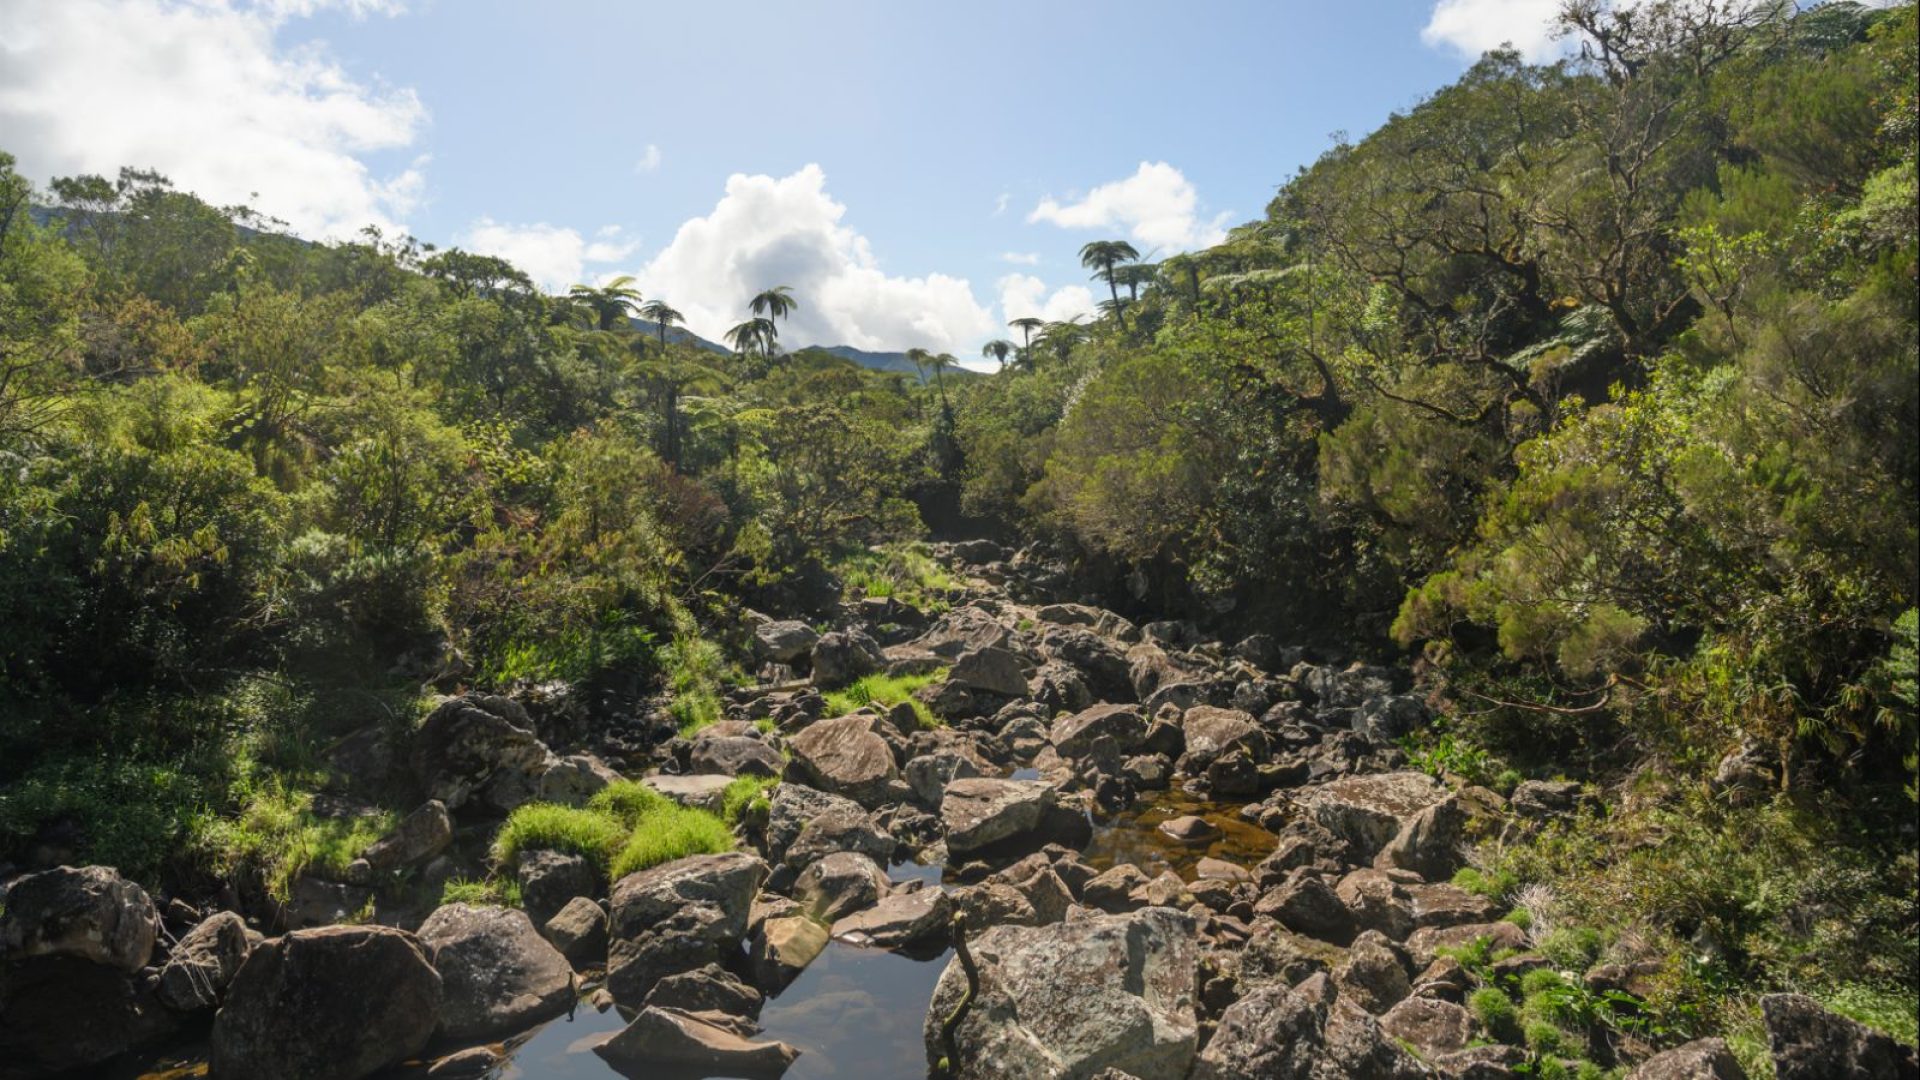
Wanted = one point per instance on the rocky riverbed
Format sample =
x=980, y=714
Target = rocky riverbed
x=1164, y=857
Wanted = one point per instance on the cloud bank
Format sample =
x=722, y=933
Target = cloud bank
x=203, y=92
x=1157, y=207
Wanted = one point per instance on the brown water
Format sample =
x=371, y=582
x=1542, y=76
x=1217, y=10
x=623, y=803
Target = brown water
x=1134, y=836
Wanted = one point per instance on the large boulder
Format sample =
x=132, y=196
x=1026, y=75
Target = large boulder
x=482, y=749
x=62, y=1013
x=550, y=880
x=794, y=806
x=842, y=826
x=420, y=836
x=676, y=917
x=1075, y=736
x=1074, y=998
x=1272, y=1033
x=90, y=912
x=734, y=755
x=842, y=656
x=782, y=947
x=964, y=630
x=992, y=669
x=204, y=963
x=898, y=920
x=979, y=812
x=783, y=642
x=1100, y=663
x=1429, y=843
x=1212, y=733
x=839, y=885
x=1812, y=1043
x=579, y=931
x=1368, y=811
x=846, y=756
x=334, y=1003
x=498, y=974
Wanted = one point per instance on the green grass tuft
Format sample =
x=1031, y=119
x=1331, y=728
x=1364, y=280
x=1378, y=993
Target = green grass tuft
x=745, y=791
x=277, y=833
x=1496, y=1013
x=490, y=892
x=669, y=834
x=885, y=691
x=593, y=834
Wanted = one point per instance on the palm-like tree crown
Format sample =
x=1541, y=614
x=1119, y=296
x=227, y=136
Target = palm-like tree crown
x=609, y=303
x=997, y=350
x=775, y=303
x=753, y=337
x=662, y=316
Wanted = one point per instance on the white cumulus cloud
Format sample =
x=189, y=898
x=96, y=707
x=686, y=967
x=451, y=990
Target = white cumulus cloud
x=788, y=231
x=554, y=257
x=1157, y=206
x=202, y=91
x=1471, y=27
x=1023, y=295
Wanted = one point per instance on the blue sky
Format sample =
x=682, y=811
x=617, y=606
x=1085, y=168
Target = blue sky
x=918, y=172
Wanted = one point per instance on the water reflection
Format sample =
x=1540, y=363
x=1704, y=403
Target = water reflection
x=1134, y=836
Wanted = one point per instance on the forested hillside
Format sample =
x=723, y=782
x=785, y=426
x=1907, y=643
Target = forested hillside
x=1591, y=391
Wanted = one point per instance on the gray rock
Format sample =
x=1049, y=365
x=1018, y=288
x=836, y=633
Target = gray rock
x=1369, y=811
x=708, y=989
x=841, y=827
x=783, y=642
x=579, y=931
x=1272, y=1033
x=1075, y=736
x=793, y=806
x=312, y=902
x=1701, y=1059
x=1811, y=1043
x=498, y=975
x=90, y=912
x=1113, y=890
x=839, y=885
x=700, y=792
x=571, y=781
x=845, y=756
x=334, y=1003
x=1067, y=1000
x=782, y=947
x=963, y=630
x=420, y=836
x=474, y=1061
x=929, y=774
x=1430, y=842
x=899, y=920
x=1422, y=943
x=739, y=755
x=994, y=670
x=981, y=812
x=676, y=917
x=1372, y=976
x=550, y=880
x=842, y=656
x=204, y=963
x=1306, y=905
x=1431, y=1026
x=1541, y=799
x=1212, y=733
x=1377, y=903
x=664, y=1038
x=479, y=748
x=1356, y=1045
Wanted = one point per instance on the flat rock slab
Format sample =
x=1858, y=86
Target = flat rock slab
x=700, y=792
x=979, y=811
x=666, y=1037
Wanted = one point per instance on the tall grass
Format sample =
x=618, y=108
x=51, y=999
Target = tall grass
x=625, y=828
x=886, y=690
x=905, y=572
